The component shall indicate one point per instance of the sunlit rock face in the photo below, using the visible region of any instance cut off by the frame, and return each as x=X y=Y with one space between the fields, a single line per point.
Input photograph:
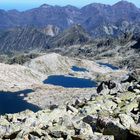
x=16 y=76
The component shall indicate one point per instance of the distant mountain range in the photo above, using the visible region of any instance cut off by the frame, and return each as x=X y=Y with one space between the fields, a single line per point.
x=49 y=26
x=91 y=17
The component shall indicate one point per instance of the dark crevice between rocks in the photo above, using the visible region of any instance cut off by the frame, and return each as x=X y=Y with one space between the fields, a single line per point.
x=132 y=137
x=58 y=134
x=52 y=107
x=45 y=127
x=77 y=131
x=135 y=111
x=12 y=136
x=131 y=78
x=91 y=121
x=76 y=138
x=109 y=84
x=36 y=134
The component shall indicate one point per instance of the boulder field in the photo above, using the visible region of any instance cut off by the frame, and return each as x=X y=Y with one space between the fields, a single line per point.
x=112 y=113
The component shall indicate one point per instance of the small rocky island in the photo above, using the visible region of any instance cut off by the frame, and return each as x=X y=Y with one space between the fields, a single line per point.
x=111 y=113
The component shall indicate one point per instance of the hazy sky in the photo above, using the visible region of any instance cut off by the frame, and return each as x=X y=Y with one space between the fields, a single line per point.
x=27 y=4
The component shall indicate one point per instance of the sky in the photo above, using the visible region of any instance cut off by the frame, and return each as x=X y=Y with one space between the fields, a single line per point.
x=22 y=5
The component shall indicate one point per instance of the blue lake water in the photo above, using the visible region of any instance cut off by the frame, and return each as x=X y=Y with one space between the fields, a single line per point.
x=13 y=103
x=77 y=69
x=108 y=65
x=69 y=82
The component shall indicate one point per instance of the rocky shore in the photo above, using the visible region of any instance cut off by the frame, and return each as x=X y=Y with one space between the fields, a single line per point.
x=111 y=113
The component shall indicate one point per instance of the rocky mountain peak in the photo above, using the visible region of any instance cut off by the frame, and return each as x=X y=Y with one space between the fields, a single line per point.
x=70 y=7
x=125 y=4
x=98 y=5
x=93 y=6
x=45 y=6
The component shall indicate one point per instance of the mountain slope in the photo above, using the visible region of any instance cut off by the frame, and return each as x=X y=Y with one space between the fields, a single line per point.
x=30 y=39
x=22 y=39
x=72 y=36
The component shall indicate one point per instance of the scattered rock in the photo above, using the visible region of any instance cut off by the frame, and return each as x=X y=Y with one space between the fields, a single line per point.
x=131 y=78
x=58 y=134
x=71 y=108
x=135 y=129
x=110 y=126
x=105 y=87
x=79 y=103
x=101 y=117
x=126 y=120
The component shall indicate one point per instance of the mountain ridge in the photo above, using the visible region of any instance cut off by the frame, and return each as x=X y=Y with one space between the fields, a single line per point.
x=70 y=5
x=65 y=16
x=49 y=26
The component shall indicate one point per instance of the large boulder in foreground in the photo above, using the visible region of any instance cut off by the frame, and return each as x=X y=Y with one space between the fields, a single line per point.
x=111 y=126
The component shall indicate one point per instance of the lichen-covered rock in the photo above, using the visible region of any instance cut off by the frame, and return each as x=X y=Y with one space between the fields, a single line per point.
x=135 y=129
x=129 y=106
x=126 y=120
x=111 y=126
x=94 y=137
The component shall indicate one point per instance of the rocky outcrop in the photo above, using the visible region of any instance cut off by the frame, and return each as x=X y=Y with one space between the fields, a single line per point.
x=56 y=64
x=101 y=117
x=72 y=36
x=51 y=30
x=16 y=77
x=108 y=85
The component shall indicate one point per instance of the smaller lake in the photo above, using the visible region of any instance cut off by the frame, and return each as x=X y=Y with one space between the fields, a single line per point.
x=108 y=65
x=69 y=82
x=12 y=102
x=78 y=69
